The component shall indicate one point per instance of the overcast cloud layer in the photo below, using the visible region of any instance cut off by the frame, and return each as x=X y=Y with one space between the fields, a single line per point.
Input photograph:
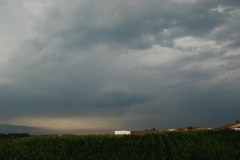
x=119 y=64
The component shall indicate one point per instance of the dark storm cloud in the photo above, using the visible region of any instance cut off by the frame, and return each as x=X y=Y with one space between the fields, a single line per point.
x=144 y=61
x=235 y=43
x=139 y=25
x=119 y=99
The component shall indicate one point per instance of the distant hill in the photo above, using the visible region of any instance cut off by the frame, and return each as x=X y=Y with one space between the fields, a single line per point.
x=9 y=128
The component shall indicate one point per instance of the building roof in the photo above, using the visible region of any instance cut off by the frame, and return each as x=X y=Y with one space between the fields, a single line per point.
x=144 y=132
x=230 y=125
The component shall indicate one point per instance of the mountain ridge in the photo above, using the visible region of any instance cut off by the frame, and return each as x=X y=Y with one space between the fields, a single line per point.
x=11 y=128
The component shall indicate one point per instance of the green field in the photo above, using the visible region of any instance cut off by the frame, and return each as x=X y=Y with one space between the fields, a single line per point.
x=190 y=145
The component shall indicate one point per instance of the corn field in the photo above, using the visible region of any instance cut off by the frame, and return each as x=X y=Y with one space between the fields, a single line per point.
x=197 y=145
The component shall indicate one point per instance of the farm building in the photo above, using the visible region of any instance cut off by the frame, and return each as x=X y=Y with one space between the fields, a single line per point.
x=123 y=132
x=234 y=126
x=193 y=128
x=171 y=129
x=152 y=131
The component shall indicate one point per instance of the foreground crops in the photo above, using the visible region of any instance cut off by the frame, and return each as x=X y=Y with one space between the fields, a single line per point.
x=214 y=145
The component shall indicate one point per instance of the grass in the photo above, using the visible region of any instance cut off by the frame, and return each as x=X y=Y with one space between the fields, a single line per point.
x=197 y=145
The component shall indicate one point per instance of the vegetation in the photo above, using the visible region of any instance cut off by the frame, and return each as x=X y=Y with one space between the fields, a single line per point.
x=197 y=145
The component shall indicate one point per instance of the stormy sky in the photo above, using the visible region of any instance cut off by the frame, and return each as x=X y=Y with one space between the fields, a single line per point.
x=119 y=64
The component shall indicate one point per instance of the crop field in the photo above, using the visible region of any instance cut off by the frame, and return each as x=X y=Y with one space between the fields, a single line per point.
x=197 y=145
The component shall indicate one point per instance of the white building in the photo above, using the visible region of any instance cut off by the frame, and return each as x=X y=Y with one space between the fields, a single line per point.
x=236 y=129
x=122 y=132
x=234 y=126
